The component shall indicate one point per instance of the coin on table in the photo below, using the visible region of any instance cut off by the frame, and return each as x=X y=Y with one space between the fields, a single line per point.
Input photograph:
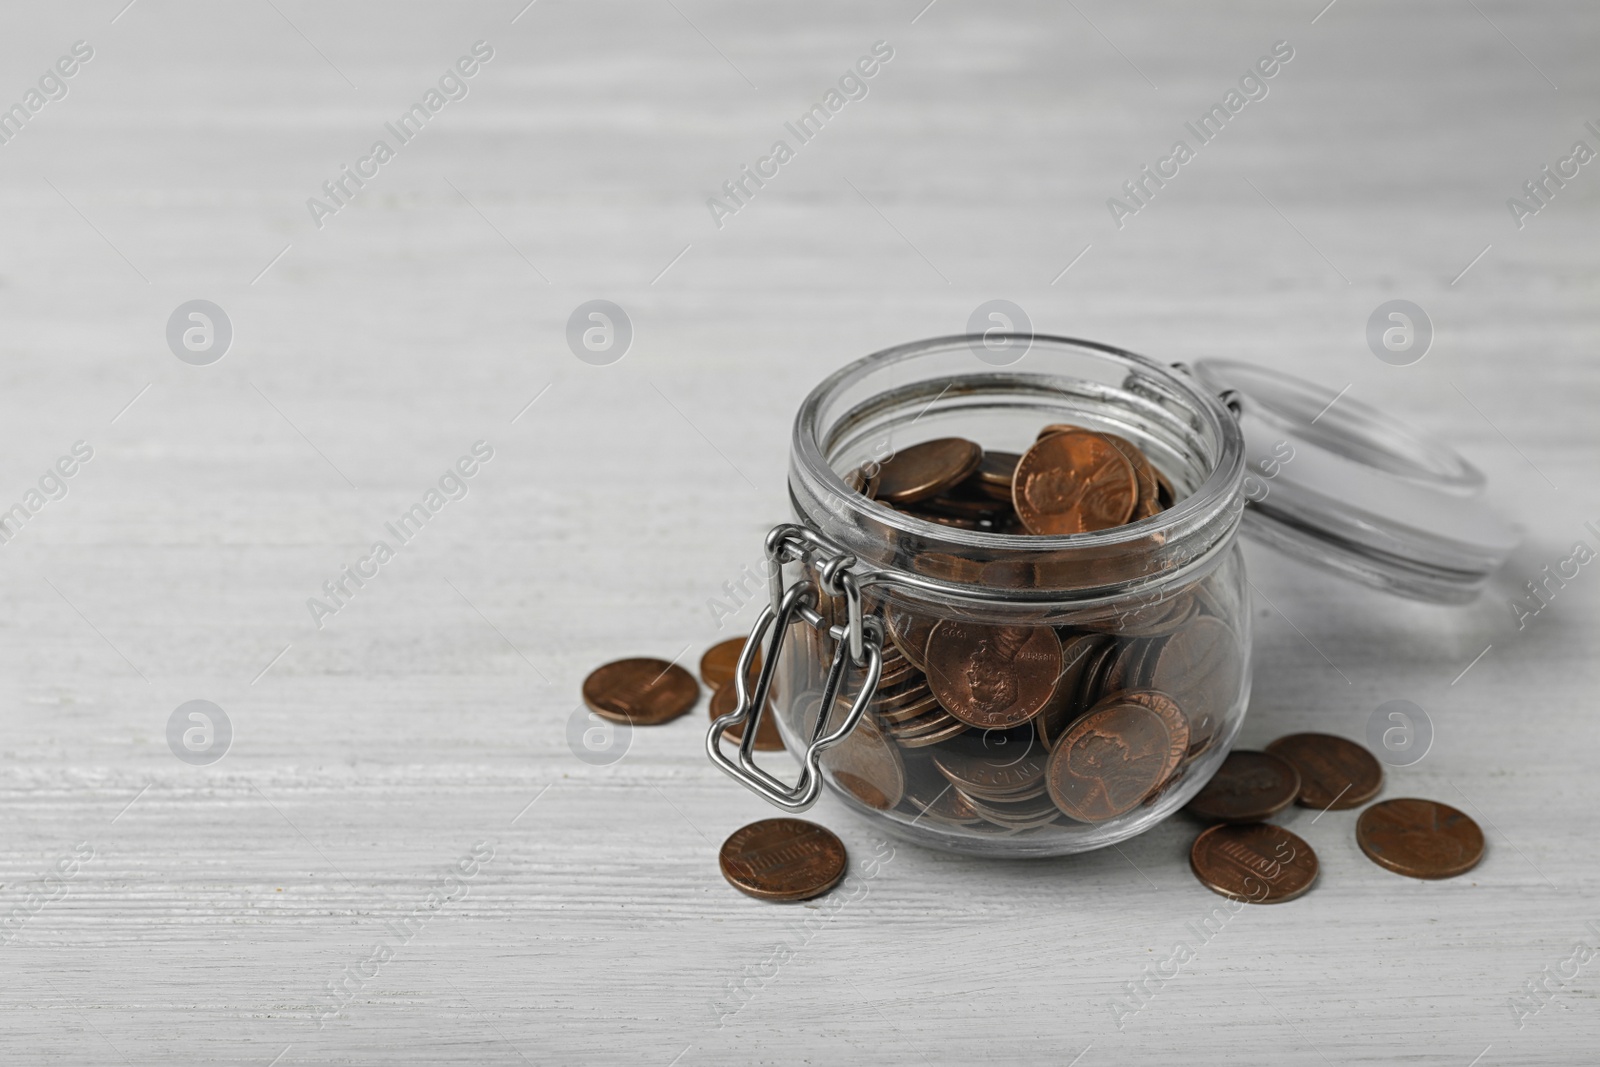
x=993 y=677
x=722 y=659
x=725 y=699
x=1073 y=482
x=642 y=691
x=1108 y=761
x=1420 y=838
x=1248 y=787
x=783 y=859
x=926 y=469
x=1335 y=773
x=1255 y=862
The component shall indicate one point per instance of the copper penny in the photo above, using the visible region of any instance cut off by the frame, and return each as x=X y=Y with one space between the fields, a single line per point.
x=1202 y=667
x=993 y=772
x=1255 y=862
x=909 y=633
x=722 y=659
x=995 y=473
x=1248 y=787
x=1172 y=716
x=926 y=469
x=1144 y=473
x=1108 y=761
x=644 y=692
x=1335 y=774
x=725 y=699
x=783 y=859
x=947 y=806
x=1420 y=838
x=1077 y=649
x=993 y=677
x=1074 y=482
x=868 y=766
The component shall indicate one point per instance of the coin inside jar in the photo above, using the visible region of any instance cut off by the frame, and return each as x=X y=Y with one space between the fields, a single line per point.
x=1248 y=787
x=783 y=859
x=993 y=677
x=1255 y=862
x=866 y=764
x=1108 y=762
x=722 y=659
x=725 y=699
x=1202 y=667
x=1073 y=482
x=640 y=691
x=1420 y=838
x=926 y=469
x=1335 y=774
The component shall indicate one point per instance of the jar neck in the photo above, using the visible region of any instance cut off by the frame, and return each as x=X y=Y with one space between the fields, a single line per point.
x=929 y=389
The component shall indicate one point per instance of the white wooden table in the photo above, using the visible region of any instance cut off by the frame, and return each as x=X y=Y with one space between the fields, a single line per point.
x=160 y=912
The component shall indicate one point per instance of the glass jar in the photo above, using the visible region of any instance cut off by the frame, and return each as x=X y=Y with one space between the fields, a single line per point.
x=1012 y=695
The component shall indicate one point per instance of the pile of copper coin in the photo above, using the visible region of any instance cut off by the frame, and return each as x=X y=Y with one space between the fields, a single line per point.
x=1014 y=729
x=1008 y=729
x=1247 y=858
x=1071 y=481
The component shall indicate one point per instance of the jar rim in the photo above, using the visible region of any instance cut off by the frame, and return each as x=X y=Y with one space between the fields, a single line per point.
x=1193 y=514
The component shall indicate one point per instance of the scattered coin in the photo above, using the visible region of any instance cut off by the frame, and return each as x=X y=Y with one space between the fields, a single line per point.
x=726 y=698
x=1420 y=838
x=783 y=859
x=993 y=677
x=642 y=691
x=1108 y=761
x=1248 y=787
x=926 y=469
x=722 y=659
x=1255 y=862
x=1335 y=774
x=1074 y=482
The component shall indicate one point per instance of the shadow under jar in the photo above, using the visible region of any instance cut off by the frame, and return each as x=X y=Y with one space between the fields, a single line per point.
x=999 y=693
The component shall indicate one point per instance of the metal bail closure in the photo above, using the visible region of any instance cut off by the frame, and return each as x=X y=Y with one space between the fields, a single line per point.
x=859 y=642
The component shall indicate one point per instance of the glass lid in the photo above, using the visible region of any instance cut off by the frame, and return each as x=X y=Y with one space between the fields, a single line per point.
x=1345 y=487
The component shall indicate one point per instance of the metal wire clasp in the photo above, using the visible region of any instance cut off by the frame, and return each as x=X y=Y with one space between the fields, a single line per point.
x=859 y=644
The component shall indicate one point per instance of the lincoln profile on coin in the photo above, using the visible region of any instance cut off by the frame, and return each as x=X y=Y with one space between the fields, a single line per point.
x=992 y=672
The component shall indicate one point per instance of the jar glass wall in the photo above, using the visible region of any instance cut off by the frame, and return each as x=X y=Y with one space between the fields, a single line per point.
x=1039 y=695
